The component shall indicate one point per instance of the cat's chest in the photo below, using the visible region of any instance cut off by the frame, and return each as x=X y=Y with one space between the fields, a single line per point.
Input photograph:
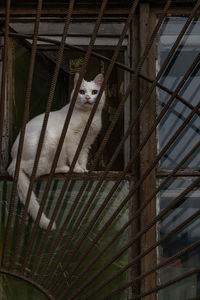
x=79 y=122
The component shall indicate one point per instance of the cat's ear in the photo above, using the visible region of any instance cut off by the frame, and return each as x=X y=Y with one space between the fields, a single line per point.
x=99 y=79
x=76 y=78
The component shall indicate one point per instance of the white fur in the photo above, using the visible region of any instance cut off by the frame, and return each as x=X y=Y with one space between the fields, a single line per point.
x=55 y=124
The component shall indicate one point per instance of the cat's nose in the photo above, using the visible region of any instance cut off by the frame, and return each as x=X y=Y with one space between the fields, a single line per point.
x=87 y=97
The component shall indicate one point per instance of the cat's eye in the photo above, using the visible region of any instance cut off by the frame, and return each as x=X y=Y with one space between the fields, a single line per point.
x=94 y=92
x=82 y=92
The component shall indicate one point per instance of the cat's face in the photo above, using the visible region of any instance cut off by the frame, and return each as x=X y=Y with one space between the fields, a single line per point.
x=88 y=92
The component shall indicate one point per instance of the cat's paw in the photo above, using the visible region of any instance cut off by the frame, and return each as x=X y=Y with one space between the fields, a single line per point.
x=63 y=169
x=85 y=169
x=44 y=223
x=53 y=226
x=79 y=169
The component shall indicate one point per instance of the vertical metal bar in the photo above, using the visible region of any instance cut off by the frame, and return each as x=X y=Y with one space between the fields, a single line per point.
x=92 y=41
x=3 y=90
x=101 y=270
x=134 y=143
x=43 y=130
x=120 y=65
x=148 y=153
x=4 y=72
x=50 y=178
x=151 y=167
x=99 y=96
x=118 y=111
x=25 y=279
x=22 y=135
x=167 y=261
x=156 y=288
x=141 y=255
x=133 y=217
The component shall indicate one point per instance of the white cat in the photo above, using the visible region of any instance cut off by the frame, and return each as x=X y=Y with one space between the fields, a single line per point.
x=87 y=96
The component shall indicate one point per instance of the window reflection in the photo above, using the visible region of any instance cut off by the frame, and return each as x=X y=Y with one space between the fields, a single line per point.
x=189 y=205
x=180 y=62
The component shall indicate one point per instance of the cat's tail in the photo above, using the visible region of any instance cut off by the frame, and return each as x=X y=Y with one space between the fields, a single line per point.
x=22 y=188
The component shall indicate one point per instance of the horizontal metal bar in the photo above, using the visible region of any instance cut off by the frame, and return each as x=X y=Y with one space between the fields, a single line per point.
x=85 y=270
x=185 y=123
x=190 y=69
x=147 y=251
x=28 y=280
x=156 y=289
x=22 y=132
x=167 y=284
x=105 y=80
x=59 y=11
x=111 y=175
x=4 y=73
x=103 y=173
x=2 y=112
x=120 y=65
x=42 y=134
x=187 y=173
x=139 y=66
x=158 y=157
x=138 y=235
x=68 y=118
x=82 y=138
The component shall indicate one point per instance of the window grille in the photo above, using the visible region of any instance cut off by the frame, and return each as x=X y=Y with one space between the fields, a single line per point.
x=127 y=228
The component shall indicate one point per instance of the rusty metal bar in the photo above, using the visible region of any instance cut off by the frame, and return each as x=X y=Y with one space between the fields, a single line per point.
x=100 y=93
x=139 y=278
x=120 y=65
x=2 y=104
x=3 y=96
x=129 y=244
x=22 y=134
x=29 y=281
x=154 y=163
x=164 y=173
x=147 y=251
x=154 y=83
x=140 y=256
x=137 y=213
x=65 y=128
x=169 y=260
x=175 y=203
x=171 y=282
x=112 y=175
x=154 y=126
x=149 y=45
x=157 y=288
x=4 y=73
x=84 y=272
x=44 y=126
x=118 y=211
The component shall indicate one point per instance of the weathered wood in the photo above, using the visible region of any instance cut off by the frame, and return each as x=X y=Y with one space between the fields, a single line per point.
x=163 y=173
x=78 y=176
x=59 y=11
x=134 y=142
x=147 y=155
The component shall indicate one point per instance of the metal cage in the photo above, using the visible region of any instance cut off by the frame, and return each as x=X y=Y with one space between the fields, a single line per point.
x=128 y=227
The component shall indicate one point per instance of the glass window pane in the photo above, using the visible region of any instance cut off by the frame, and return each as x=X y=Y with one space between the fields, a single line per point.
x=186 y=236
x=180 y=62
